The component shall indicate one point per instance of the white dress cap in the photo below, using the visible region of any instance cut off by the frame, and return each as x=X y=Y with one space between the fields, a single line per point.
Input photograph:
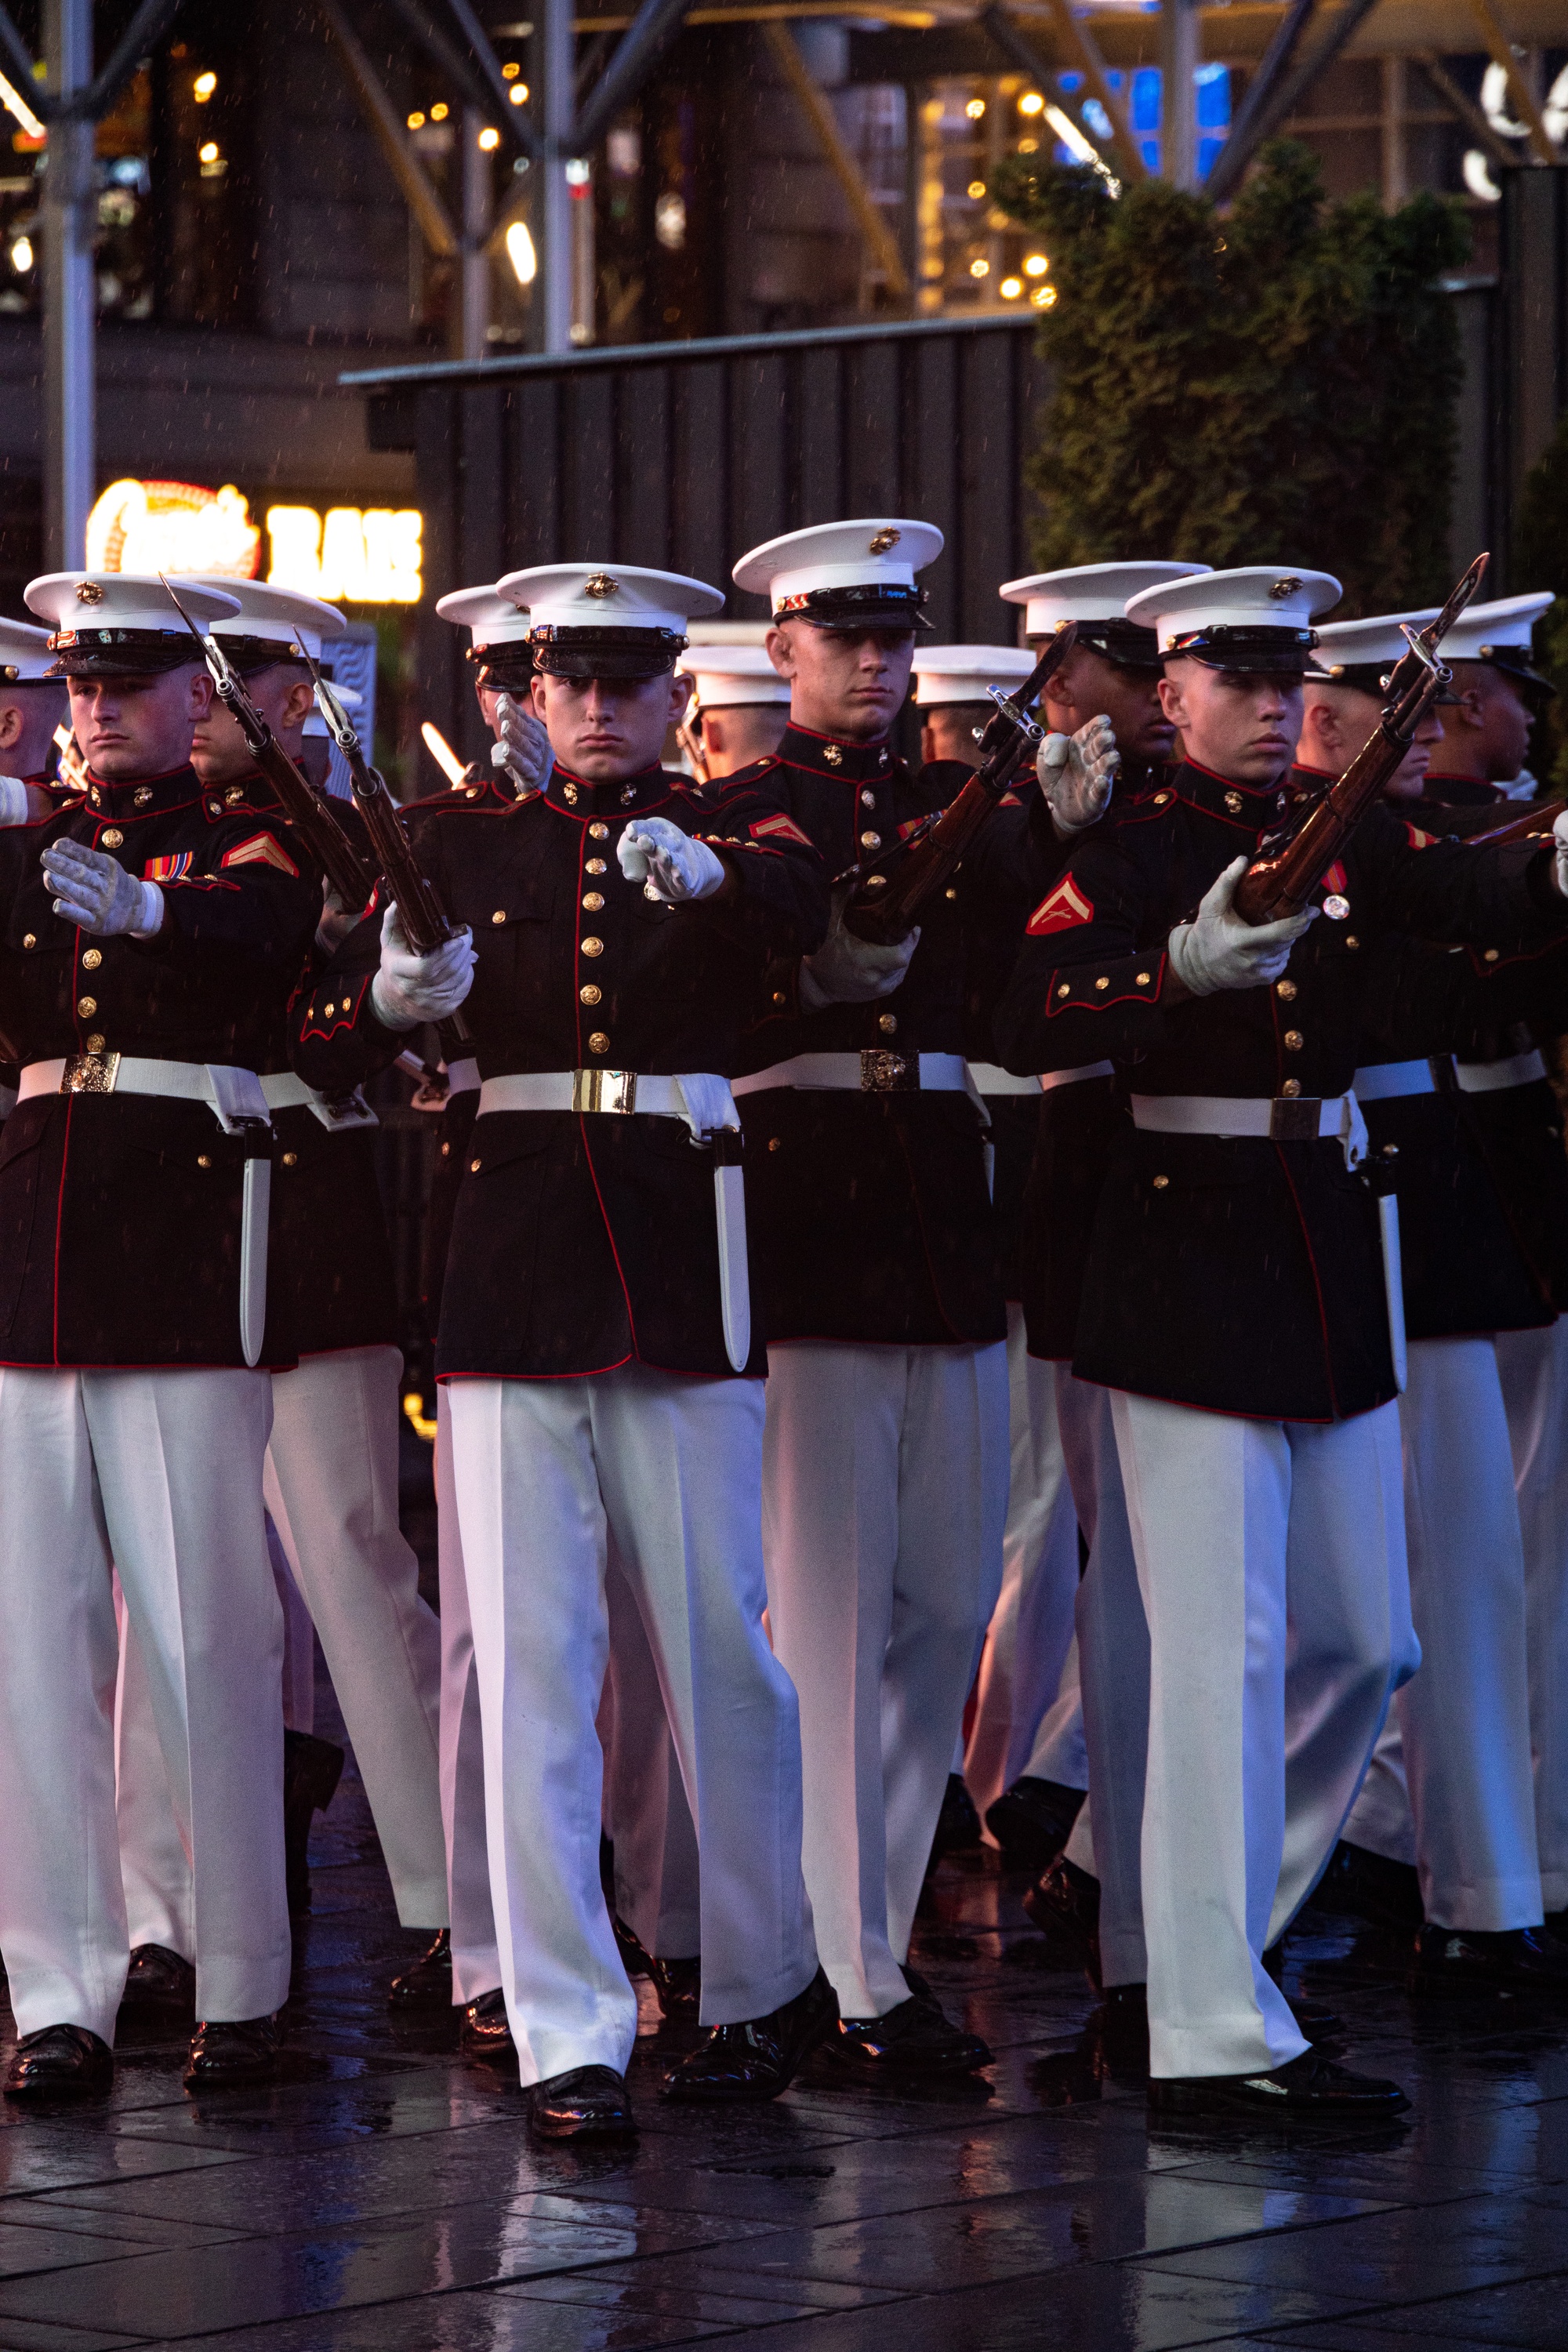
x=608 y=596
x=1497 y=633
x=25 y=652
x=124 y=624
x=279 y=617
x=494 y=619
x=963 y=673
x=724 y=676
x=1089 y=592
x=1254 y=618
x=1359 y=653
x=858 y=574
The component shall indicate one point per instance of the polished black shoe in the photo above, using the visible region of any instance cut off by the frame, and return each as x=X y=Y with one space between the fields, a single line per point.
x=957 y=1824
x=1066 y=1906
x=311 y=1770
x=486 y=2034
x=586 y=2103
x=1032 y=1821
x=60 y=2061
x=429 y=1984
x=1369 y=1887
x=761 y=2058
x=678 y=1984
x=234 y=2050
x=159 y=1979
x=1457 y=1961
x=1309 y=2089
x=915 y=2042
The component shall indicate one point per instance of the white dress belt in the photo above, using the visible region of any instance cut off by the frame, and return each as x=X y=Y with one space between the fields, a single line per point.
x=707 y=1106
x=238 y=1101
x=1276 y=1119
x=287 y=1090
x=874 y=1071
x=1386 y=1081
x=1049 y=1080
x=993 y=1079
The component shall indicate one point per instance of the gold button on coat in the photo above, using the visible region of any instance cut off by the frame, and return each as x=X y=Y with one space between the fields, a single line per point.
x=593 y=947
x=1291 y=1087
x=887 y=1023
x=112 y=836
x=1294 y=1040
x=87 y=1006
x=202 y=1159
x=594 y=900
x=594 y=865
x=91 y=958
x=598 y=831
x=499 y=915
x=590 y=996
x=1160 y=1182
x=598 y=1043
x=868 y=800
x=870 y=841
x=29 y=939
x=95 y=1043
x=1286 y=989
x=290 y=1159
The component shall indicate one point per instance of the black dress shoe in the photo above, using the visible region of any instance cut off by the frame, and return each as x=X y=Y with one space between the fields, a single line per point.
x=1032 y=1821
x=159 y=1979
x=60 y=2061
x=486 y=2034
x=1066 y=1904
x=957 y=1824
x=1456 y=1960
x=311 y=1770
x=915 y=2042
x=1369 y=1887
x=678 y=1984
x=761 y=2058
x=429 y=1984
x=1308 y=2089
x=234 y=2050
x=585 y=2103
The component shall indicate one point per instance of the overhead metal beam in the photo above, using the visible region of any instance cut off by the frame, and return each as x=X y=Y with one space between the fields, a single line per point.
x=879 y=236
x=516 y=117
x=638 y=52
x=1015 y=45
x=469 y=85
x=1472 y=116
x=21 y=57
x=1275 y=63
x=1519 y=88
x=417 y=188
x=70 y=289
x=151 y=21
x=1236 y=155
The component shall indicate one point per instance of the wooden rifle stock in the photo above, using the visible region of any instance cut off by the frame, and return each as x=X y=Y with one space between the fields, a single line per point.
x=1281 y=882
x=884 y=908
x=1536 y=822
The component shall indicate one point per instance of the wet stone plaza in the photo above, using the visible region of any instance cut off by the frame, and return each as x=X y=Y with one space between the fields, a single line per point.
x=385 y=2198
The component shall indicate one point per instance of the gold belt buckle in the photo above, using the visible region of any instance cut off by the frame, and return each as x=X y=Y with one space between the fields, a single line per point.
x=90 y=1074
x=889 y=1074
x=1295 y=1118
x=615 y=1090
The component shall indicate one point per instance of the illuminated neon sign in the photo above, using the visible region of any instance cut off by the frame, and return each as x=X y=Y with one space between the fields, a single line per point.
x=353 y=555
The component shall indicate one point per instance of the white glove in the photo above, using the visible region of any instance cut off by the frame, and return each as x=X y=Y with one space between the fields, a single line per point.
x=668 y=862
x=1077 y=773
x=1560 y=839
x=1219 y=951
x=522 y=748
x=13 y=801
x=850 y=971
x=409 y=987
x=94 y=891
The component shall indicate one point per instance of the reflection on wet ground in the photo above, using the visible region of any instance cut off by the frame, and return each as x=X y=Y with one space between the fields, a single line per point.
x=384 y=2199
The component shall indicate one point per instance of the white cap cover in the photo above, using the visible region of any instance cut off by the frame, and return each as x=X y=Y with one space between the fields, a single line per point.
x=724 y=676
x=25 y=652
x=277 y=616
x=596 y=620
x=845 y=575
x=124 y=623
x=1254 y=618
x=1358 y=653
x=963 y=673
x=493 y=619
x=1087 y=592
x=1498 y=634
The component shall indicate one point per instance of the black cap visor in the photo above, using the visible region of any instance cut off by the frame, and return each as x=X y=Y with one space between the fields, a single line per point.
x=875 y=605
x=1121 y=642
x=121 y=653
x=504 y=669
x=1257 y=652
x=605 y=653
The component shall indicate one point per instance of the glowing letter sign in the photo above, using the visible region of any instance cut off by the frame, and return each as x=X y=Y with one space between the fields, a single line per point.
x=173 y=526
x=355 y=555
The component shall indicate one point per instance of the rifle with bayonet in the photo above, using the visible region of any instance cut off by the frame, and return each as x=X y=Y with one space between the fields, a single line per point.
x=1281 y=880
x=885 y=908
x=348 y=878
x=425 y=920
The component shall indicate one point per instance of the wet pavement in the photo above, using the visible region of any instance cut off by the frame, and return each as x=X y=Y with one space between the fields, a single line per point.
x=385 y=2198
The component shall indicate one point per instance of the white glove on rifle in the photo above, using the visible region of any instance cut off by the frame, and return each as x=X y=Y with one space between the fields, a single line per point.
x=850 y=971
x=1076 y=774
x=1219 y=951
x=409 y=987
x=668 y=862
x=15 y=807
x=522 y=748
x=94 y=891
x=1560 y=839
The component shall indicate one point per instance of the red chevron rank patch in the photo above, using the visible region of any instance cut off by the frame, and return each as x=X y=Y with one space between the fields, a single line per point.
x=260 y=849
x=779 y=828
x=1059 y=911
x=1419 y=840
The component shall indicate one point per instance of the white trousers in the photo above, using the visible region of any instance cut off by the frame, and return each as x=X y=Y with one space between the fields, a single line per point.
x=331 y=1488
x=885 y=1491
x=550 y=1474
x=158 y=1474
x=1464 y=1733
x=646 y=1817
x=1533 y=1369
x=476 y=1956
x=1031 y=1628
x=1256 y=1542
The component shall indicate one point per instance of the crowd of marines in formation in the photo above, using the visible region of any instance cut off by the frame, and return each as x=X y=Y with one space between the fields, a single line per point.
x=1094 y=1359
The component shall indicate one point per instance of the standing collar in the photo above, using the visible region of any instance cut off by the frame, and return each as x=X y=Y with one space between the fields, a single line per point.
x=577 y=797
x=142 y=796
x=827 y=755
x=1253 y=808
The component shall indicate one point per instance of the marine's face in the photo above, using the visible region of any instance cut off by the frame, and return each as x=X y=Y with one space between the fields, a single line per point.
x=850 y=683
x=607 y=729
x=1337 y=720
x=1240 y=724
x=1089 y=687
x=282 y=693
x=131 y=726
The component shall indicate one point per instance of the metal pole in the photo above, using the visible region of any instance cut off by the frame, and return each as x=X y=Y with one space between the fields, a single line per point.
x=552 y=287
x=472 y=315
x=70 y=294
x=1179 y=61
